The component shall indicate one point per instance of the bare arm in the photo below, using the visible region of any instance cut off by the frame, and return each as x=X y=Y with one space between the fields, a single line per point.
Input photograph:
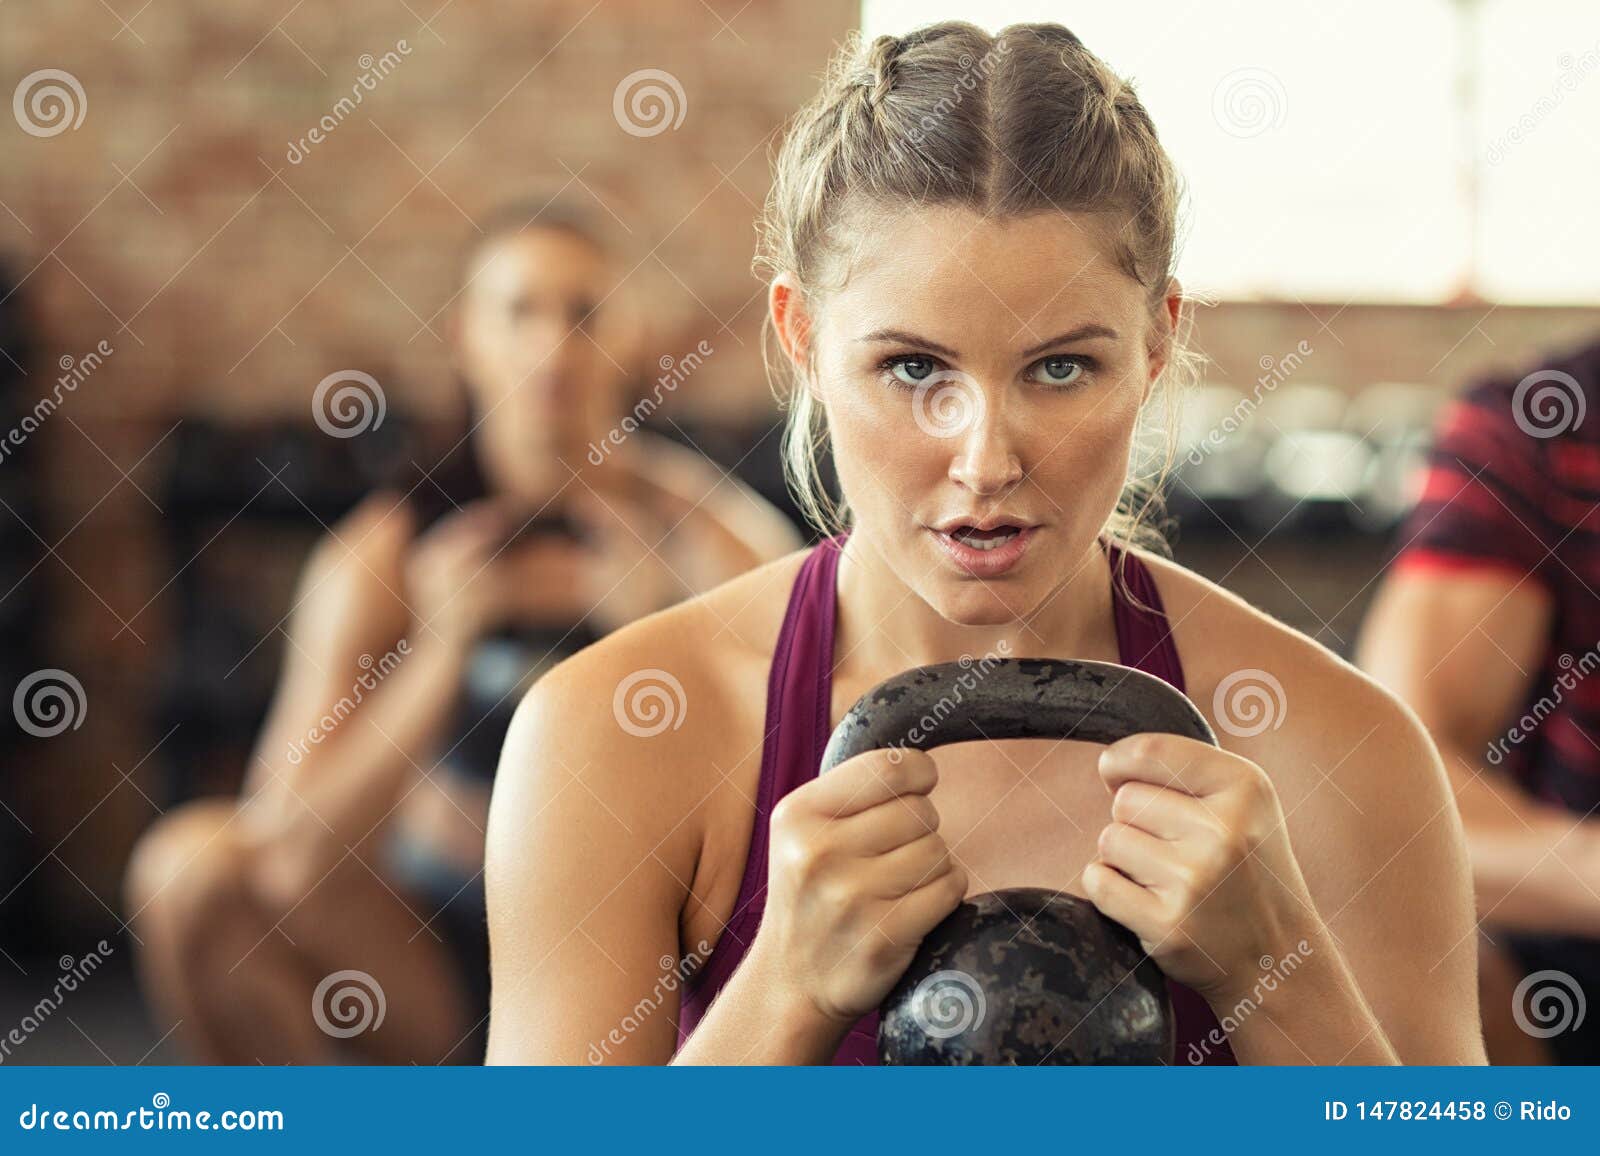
x=592 y=843
x=598 y=853
x=1383 y=855
x=1462 y=650
x=318 y=790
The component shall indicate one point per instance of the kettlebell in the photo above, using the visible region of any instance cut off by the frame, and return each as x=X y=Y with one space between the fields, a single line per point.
x=1025 y=975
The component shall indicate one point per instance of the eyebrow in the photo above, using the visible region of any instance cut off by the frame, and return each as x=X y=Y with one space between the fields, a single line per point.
x=1081 y=333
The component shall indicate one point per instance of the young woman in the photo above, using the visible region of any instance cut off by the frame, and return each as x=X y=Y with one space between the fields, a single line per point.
x=970 y=241
x=352 y=869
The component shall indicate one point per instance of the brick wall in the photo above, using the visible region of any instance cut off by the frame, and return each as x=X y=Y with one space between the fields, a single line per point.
x=229 y=279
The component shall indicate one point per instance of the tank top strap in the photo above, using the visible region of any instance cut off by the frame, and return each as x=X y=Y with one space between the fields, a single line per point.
x=800 y=684
x=1144 y=636
x=799 y=698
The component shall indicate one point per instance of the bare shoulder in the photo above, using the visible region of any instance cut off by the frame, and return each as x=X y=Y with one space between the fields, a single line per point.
x=1355 y=770
x=690 y=485
x=352 y=585
x=676 y=699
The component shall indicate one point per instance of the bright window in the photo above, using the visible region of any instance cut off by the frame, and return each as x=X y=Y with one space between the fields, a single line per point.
x=1410 y=150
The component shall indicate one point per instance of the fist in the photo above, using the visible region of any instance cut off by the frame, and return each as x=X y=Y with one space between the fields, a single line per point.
x=1196 y=861
x=858 y=874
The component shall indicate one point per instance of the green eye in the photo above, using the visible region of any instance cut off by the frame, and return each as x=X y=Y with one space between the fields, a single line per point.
x=912 y=370
x=1058 y=370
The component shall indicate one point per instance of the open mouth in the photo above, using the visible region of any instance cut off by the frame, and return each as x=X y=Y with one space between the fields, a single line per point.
x=986 y=551
x=985 y=539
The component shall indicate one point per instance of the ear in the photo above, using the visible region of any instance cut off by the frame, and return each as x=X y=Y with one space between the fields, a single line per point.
x=790 y=320
x=1167 y=318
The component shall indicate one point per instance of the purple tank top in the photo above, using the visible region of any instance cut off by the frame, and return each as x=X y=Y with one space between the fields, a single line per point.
x=799 y=699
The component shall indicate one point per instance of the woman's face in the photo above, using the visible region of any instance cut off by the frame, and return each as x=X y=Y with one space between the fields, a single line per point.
x=538 y=347
x=982 y=381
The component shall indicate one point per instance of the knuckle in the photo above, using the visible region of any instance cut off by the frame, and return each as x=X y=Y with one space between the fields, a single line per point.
x=835 y=893
x=922 y=808
x=1107 y=843
x=785 y=814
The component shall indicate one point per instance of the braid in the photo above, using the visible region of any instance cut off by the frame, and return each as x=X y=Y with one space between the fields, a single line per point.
x=876 y=72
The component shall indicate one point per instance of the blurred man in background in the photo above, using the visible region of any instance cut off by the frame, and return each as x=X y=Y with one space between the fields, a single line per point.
x=349 y=878
x=1489 y=626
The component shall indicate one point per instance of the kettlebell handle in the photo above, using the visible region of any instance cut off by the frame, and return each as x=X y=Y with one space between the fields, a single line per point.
x=1012 y=698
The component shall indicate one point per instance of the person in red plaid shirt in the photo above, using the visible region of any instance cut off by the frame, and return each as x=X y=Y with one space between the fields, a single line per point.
x=1488 y=625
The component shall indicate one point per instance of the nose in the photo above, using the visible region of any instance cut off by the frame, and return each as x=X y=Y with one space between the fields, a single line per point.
x=986 y=461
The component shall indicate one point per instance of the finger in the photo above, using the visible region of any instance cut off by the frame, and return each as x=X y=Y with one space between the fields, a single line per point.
x=903 y=870
x=878 y=830
x=1184 y=764
x=1117 y=897
x=1162 y=811
x=870 y=779
x=913 y=915
x=1148 y=861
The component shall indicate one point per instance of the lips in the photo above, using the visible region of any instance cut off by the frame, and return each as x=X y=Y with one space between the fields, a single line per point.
x=985 y=548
